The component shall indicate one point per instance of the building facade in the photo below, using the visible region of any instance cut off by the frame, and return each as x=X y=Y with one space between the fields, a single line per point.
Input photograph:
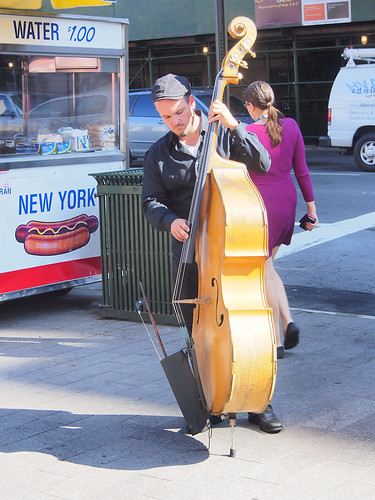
x=298 y=46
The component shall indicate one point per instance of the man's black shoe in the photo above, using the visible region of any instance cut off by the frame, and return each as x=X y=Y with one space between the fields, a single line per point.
x=280 y=352
x=215 y=419
x=267 y=420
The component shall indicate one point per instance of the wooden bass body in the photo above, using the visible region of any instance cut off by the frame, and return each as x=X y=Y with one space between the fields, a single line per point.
x=233 y=330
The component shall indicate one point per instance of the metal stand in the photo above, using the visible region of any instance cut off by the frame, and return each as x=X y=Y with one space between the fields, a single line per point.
x=232 y=423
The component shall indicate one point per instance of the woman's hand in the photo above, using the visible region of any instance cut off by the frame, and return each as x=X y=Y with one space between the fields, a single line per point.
x=311 y=210
x=309 y=225
x=180 y=229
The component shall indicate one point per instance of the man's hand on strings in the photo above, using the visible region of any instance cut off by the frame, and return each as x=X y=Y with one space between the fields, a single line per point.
x=180 y=229
x=220 y=112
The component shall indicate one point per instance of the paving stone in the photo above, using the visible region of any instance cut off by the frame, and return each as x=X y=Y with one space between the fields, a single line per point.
x=87 y=413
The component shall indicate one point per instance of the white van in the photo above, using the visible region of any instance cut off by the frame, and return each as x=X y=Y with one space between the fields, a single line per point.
x=351 y=107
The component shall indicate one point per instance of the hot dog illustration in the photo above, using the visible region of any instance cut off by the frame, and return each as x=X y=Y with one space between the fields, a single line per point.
x=54 y=238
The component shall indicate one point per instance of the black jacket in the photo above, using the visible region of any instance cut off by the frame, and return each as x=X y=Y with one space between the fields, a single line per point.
x=170 y=172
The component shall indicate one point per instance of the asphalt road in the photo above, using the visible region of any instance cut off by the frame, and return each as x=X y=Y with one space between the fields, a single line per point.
x=336 y=272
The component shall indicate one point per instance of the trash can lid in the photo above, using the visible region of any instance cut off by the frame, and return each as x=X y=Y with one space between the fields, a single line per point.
x=126 y=177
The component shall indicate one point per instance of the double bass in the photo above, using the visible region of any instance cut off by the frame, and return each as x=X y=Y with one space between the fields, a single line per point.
x=232 y=333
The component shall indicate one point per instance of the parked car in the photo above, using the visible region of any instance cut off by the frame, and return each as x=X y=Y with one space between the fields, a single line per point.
x=146 y=126
x=11 y=120
x=77 y=112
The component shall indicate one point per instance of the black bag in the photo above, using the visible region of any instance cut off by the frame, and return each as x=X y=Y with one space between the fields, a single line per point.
x=185 y=388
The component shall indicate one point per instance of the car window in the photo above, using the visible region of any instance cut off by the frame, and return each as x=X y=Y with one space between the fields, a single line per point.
x=205 y=98
x=54 y=109
x=6 y=108
x=85 y=106
x=237 y=106
x=91 y=105
x=132 y=98
x=17 y=101
x=145 y=107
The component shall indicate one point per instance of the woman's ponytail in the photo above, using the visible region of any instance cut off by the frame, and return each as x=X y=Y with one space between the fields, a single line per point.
x=261 y=95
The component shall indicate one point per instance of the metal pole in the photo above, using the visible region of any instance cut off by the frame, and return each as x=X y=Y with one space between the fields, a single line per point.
x=209 y=71
x=221 y=40
x=296 y=83
x=150 y=67
x=221 y=34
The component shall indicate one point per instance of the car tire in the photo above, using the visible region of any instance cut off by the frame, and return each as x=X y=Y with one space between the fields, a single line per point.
x=364 y=152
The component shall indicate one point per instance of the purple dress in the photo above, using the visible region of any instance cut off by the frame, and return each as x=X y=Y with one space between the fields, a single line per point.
x=276 y=186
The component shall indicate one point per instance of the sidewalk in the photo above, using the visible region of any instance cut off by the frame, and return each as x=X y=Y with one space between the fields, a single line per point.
x=87 y=413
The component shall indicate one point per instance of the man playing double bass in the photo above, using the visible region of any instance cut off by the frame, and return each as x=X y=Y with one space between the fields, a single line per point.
x=170 y=168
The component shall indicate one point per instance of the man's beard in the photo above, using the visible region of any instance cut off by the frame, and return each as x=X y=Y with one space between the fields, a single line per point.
x=187 y=130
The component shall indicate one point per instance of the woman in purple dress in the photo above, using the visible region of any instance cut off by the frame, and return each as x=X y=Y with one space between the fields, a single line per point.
x=283 y=140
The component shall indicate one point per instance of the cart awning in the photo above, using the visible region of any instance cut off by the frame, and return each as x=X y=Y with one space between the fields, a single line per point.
x=56 y=4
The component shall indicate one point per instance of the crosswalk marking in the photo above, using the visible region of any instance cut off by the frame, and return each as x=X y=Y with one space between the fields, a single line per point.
x=326 y=232
x=332 y=313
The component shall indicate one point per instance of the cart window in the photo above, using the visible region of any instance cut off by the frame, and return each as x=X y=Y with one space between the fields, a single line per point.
x=58 y=100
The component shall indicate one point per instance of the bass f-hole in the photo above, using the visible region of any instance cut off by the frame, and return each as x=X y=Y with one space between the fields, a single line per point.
x=219 y=320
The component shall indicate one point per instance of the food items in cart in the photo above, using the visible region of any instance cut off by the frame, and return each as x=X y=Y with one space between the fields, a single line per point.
x=64 y=147
x=27 y=147
x=78 y=138
x=102 y=136
x=48 y=148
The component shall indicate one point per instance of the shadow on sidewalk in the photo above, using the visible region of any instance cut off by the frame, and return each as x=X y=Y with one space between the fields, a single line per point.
x=123 y=442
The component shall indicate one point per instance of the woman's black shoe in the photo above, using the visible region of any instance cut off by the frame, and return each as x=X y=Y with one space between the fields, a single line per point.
x=291 y=336
x=267 y=420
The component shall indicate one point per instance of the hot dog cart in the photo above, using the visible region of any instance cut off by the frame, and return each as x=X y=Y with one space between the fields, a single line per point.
x=63 y=115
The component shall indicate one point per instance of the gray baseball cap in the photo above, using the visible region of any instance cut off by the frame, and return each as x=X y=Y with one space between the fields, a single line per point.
x=170 y=87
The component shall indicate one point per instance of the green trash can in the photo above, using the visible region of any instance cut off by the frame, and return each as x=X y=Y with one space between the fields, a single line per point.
x=131 y=250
